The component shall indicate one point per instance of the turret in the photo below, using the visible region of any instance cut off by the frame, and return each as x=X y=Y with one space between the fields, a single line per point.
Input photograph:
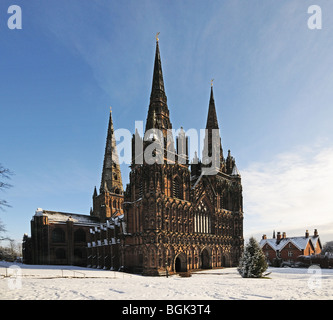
x=182 y=147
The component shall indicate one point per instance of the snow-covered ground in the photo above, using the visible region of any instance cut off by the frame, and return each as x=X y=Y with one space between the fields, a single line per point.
x=65 y=282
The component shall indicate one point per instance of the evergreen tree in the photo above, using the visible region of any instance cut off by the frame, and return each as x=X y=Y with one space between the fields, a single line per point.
x=253 y=261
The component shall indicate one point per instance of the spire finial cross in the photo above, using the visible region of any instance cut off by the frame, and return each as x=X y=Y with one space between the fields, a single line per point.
x=211 y=82
x=157 y=36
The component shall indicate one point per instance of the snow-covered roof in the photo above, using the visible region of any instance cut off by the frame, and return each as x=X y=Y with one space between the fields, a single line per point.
x=315 y=240
x=235 y=171
x=58 y=217
x=299 y=242
x=274 y=244
x=39 y=212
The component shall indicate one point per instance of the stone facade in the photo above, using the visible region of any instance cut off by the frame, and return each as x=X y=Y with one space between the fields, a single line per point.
x=178 y=218
x=105 y=244
x=174 y=216
x=57 y=238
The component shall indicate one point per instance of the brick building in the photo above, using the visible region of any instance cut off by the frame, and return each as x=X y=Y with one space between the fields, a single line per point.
x=283 y=248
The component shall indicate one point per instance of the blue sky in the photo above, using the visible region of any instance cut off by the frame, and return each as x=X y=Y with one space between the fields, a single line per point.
x=74 y=58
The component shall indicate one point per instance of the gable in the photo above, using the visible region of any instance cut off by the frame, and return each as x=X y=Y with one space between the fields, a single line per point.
x=266 y=245
x=316 y=242
x=204 y=189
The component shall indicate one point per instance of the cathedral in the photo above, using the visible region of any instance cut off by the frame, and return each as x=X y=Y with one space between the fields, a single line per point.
x=175 y=214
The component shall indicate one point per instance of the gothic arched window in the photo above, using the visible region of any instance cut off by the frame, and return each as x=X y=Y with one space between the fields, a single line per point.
x=177 y=189
x=202 y=219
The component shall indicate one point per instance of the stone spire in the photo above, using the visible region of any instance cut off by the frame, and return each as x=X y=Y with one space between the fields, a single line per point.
x=212 y=129
x=212 y=118
x=158 y=113
x=158 y=91
x=111 y=176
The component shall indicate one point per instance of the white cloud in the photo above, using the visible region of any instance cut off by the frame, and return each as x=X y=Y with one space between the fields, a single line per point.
x=291 y=192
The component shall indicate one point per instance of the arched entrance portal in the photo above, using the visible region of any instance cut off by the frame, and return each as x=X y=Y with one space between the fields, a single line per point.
x=226 y=261
x=205 y=259
x=180 y=263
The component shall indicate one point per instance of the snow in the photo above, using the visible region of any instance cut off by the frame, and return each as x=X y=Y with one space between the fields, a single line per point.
x=235 y=171
x=62 y=217
x=66 y=282
x=299 y=242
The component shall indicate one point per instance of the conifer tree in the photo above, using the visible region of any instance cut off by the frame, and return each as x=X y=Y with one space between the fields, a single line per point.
x=253 y=261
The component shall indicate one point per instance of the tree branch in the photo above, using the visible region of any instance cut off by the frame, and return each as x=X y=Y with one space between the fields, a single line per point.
x=4 y=174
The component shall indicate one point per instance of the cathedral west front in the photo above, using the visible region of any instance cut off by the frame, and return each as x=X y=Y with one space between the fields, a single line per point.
x=176 y=214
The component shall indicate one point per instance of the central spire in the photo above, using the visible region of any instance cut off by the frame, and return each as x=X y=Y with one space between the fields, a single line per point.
x=158 y=113
x=212 y=122
x=157 y=90
x=111 y=176
x=213 y=147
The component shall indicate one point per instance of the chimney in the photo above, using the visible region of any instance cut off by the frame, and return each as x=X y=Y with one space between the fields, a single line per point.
x=284 y=235
x=264 y=237
x=307 y=234
x=315 y=233
x=278 y=236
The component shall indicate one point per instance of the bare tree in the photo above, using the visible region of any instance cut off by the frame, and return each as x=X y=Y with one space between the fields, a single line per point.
x=3 y=232
x=4 y=174
x=328 y=247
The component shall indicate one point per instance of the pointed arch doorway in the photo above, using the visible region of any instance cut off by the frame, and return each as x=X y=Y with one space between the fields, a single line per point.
x=180 y=264
x=206 y=259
